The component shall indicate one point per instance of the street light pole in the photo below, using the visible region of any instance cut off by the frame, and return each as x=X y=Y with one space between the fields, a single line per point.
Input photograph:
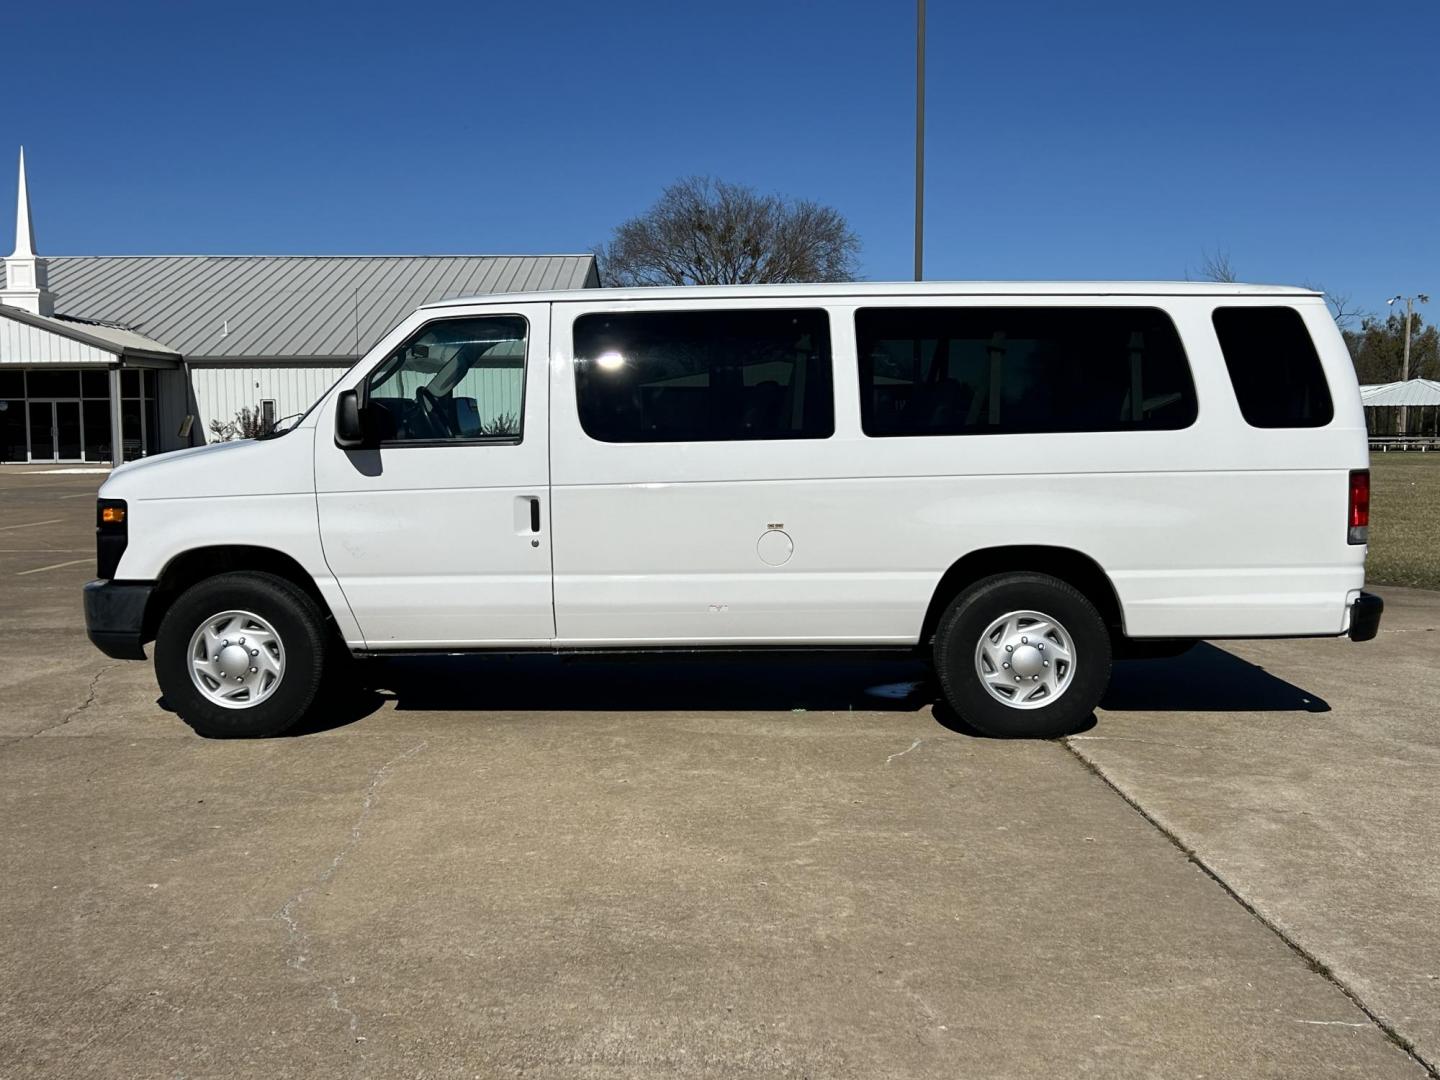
x=1409 y=318
x=919 y=140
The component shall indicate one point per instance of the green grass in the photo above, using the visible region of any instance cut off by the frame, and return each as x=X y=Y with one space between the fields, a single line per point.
x=1404 y=520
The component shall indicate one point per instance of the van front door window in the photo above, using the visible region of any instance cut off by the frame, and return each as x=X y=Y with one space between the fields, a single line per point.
x=454 y=380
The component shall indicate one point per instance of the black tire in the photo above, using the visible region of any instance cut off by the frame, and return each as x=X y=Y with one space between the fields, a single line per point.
x=297 y=620
x=965 y=622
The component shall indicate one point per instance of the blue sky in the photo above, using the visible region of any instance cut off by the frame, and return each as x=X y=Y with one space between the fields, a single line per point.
x=1069 y=140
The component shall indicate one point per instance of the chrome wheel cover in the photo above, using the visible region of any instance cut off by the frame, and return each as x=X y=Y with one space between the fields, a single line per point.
x=236 y=659
x=1025 y=659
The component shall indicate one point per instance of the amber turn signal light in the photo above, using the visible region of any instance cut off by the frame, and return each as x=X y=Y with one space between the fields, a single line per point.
x=112 y=515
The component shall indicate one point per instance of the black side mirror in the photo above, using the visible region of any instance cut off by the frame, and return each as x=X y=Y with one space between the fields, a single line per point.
x=352 y=432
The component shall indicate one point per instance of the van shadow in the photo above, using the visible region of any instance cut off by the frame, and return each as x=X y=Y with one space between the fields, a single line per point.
x=640 y=683
x=546 y=682
x=1206 y=679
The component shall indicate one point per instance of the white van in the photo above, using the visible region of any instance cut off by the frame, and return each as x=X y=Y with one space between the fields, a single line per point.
x=1020 y=480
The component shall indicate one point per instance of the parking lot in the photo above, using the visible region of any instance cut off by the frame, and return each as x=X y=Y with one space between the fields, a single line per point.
x=539 y=867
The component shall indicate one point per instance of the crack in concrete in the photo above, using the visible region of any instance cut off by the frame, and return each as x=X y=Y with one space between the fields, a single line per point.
x=907 y=750
x=1143 y=742
x=1313 y=962
x=89 y=700
x=298 y=937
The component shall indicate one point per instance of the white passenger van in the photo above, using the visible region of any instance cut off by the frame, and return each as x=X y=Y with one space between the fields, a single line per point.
x=1021 y=481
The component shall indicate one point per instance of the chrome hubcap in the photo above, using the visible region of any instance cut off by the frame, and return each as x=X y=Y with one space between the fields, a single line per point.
x=1025 y=659
x=236 y=659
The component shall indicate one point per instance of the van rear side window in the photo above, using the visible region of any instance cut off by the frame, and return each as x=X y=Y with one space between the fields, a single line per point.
x=1006 y=370
x=704 y=376
x=1274 y=367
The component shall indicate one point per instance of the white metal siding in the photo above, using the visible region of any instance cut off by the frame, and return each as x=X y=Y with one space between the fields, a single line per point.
x=24 y=344
x=221 y=392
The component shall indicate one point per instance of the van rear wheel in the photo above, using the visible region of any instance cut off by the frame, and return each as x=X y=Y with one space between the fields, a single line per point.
x=241 y=655
x=1022 y=655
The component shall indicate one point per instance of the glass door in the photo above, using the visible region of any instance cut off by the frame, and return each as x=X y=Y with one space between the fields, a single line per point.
x=42 y=431
x=55 y=431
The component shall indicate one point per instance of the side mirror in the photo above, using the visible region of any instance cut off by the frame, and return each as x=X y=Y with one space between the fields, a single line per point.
x=351 y=430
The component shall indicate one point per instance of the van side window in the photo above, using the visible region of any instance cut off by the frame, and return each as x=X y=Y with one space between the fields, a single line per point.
x=1005 y=370
x=1274 y=367
x=704 y=376
x=454 y=380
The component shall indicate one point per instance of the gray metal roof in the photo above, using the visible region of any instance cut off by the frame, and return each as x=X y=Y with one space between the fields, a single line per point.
x=297 y=307
x=114 y=339
x=1410 y=392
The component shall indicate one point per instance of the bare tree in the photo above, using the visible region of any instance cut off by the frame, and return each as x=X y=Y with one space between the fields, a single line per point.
x=1342 y=310
x=1217 y=267
x=704 y=231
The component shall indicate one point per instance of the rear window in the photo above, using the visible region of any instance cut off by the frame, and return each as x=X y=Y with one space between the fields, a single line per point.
x=1003 y=370
x=1274 y=367
x=704 y=376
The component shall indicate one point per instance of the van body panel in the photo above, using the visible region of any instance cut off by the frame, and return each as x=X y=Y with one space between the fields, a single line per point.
x=1217 y=529
x=249 y=493
x=432 y=544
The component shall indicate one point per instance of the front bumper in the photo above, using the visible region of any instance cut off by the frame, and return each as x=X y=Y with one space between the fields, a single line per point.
x=115 y=617
x=1365 y=616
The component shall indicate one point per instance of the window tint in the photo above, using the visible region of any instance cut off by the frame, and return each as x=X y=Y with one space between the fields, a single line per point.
x=456 y=379
x=975 y=371
x=704 y=376
x=1273 y=367
x=53 y=383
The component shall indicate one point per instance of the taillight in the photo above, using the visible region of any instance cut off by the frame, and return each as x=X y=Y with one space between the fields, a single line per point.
x=1360 y=506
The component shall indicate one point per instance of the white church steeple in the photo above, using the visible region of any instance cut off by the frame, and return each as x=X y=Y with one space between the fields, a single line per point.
x=26 y=274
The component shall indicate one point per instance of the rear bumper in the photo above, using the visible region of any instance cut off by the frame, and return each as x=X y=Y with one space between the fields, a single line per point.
x=1365 y=616
x=115 y=617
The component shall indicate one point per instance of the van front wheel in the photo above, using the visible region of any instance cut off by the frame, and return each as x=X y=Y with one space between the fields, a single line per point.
x=1022 y=655
x=241 y=655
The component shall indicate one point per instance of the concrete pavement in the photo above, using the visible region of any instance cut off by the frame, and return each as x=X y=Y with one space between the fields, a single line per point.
x=585 y=869
x=1326 y=820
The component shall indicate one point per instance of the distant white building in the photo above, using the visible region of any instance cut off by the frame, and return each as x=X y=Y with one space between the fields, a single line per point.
x=143 y=352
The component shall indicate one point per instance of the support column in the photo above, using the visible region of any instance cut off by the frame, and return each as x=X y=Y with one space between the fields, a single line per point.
x=117 y=435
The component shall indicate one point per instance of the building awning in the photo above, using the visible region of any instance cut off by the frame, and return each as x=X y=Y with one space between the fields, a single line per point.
x=1409 y=392
x=41 y=340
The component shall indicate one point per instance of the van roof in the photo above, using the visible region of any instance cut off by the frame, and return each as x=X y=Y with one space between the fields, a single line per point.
x=895 y=288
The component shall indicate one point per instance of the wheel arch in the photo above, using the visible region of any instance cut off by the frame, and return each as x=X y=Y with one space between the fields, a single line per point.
x=1069 y=565
x=193 y=566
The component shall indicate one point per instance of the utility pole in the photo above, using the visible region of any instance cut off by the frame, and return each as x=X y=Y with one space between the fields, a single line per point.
x=1409 y=318
x=919 y=140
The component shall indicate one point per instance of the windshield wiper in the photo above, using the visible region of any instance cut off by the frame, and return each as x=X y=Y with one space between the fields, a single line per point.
x=276 y=430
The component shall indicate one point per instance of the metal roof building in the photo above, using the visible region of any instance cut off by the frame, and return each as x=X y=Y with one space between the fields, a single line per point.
x=295 y=307
x=99 y=351
x=1409 y=392
x=1407 y=411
